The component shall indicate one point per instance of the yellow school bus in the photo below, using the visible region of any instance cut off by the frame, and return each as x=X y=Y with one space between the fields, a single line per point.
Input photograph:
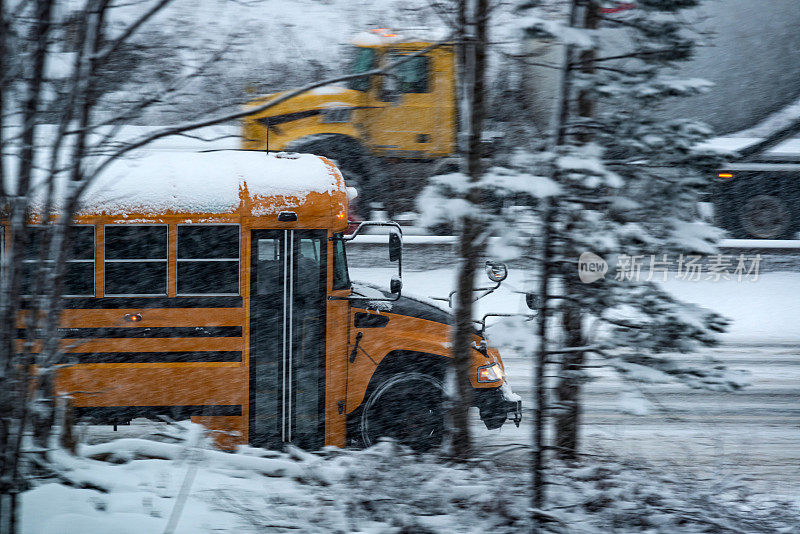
x=214 y=286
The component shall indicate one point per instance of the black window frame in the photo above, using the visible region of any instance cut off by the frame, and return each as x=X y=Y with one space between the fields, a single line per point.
x=180 y=260
x=339 y=260
x=28 y=261
x=106 y=261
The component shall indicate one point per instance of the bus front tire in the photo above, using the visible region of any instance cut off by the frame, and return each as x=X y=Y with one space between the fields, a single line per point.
x=406 y=407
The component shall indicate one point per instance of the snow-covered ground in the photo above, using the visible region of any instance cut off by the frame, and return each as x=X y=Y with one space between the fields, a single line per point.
x=137 y=486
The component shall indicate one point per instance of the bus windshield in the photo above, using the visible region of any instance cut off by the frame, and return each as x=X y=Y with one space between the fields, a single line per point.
x=363 y=61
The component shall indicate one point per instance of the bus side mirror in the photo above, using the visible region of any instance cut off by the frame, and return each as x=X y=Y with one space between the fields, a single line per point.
x=395 y=247
x=396 y=285
x=532 y=301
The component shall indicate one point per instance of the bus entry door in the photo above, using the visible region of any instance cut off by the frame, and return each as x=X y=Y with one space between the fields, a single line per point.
x=287 y=338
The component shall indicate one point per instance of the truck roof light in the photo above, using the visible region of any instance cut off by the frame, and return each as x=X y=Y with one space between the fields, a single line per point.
x=383 y=32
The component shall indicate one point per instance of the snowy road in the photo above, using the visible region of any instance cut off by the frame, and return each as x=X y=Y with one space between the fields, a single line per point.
x=751 y=436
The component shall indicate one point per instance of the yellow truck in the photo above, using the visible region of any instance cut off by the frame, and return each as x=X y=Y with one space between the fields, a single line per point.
x=407 y=117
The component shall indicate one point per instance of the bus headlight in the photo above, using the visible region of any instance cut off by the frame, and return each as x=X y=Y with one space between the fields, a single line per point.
x=490 y=373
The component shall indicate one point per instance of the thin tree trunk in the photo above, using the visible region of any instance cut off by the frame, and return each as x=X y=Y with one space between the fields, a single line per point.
x=14 y=394
x=540 y=408
x=469 y=248
x=546 y=273
x=462 y=106
x=4 y=82
x=462 y=438
x=568 y=418
x=568 y=390
x=4 y=386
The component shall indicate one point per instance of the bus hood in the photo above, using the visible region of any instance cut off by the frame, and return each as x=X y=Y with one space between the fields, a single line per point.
x=410 y=306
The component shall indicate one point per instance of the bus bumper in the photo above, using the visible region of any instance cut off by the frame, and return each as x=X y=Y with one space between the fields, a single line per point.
x=496 y=404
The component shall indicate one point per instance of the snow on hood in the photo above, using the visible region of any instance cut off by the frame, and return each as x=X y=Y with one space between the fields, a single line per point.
x=329 y=90
x=409 y=305
x=323 y=97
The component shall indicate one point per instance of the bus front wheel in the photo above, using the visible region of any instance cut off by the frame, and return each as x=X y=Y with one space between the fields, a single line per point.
x=406 y=407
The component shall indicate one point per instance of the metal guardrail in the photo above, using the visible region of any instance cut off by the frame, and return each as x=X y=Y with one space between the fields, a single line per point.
x=438 y=252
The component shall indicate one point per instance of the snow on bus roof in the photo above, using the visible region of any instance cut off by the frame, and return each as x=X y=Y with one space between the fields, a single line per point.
x=155 y=182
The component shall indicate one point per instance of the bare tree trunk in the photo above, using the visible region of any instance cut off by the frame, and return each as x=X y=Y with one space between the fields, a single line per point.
x=16 y=373
x=546 y=273
x=5 y=416
x=540 y=408
x=568 y=417
x=4 y=82
x=461 y=78
x=469 y=248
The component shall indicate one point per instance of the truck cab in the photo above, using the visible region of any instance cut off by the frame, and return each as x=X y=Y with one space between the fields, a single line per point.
x=407 y=115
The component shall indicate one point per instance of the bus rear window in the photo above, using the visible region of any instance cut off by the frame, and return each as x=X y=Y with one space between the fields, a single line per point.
x=208 y=260
x=135 y=260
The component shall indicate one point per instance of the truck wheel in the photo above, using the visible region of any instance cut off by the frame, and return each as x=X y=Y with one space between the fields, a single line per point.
x=406 y=407
x=360 y=170
x=766 y=217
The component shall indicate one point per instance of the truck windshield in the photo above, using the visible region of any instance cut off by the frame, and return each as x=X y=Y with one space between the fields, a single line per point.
x=341 y=278
x=363 y=61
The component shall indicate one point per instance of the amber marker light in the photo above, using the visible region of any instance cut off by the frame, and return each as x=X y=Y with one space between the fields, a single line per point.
x=725 y=175
x=133 y=317
x=490 y=373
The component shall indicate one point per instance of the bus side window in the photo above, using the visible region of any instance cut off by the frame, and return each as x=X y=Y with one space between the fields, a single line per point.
x=79 y=275
x=79 y=272
x=208 y=259
x=135 y=260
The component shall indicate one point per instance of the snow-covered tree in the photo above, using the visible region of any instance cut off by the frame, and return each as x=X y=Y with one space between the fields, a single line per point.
x=615 y=180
